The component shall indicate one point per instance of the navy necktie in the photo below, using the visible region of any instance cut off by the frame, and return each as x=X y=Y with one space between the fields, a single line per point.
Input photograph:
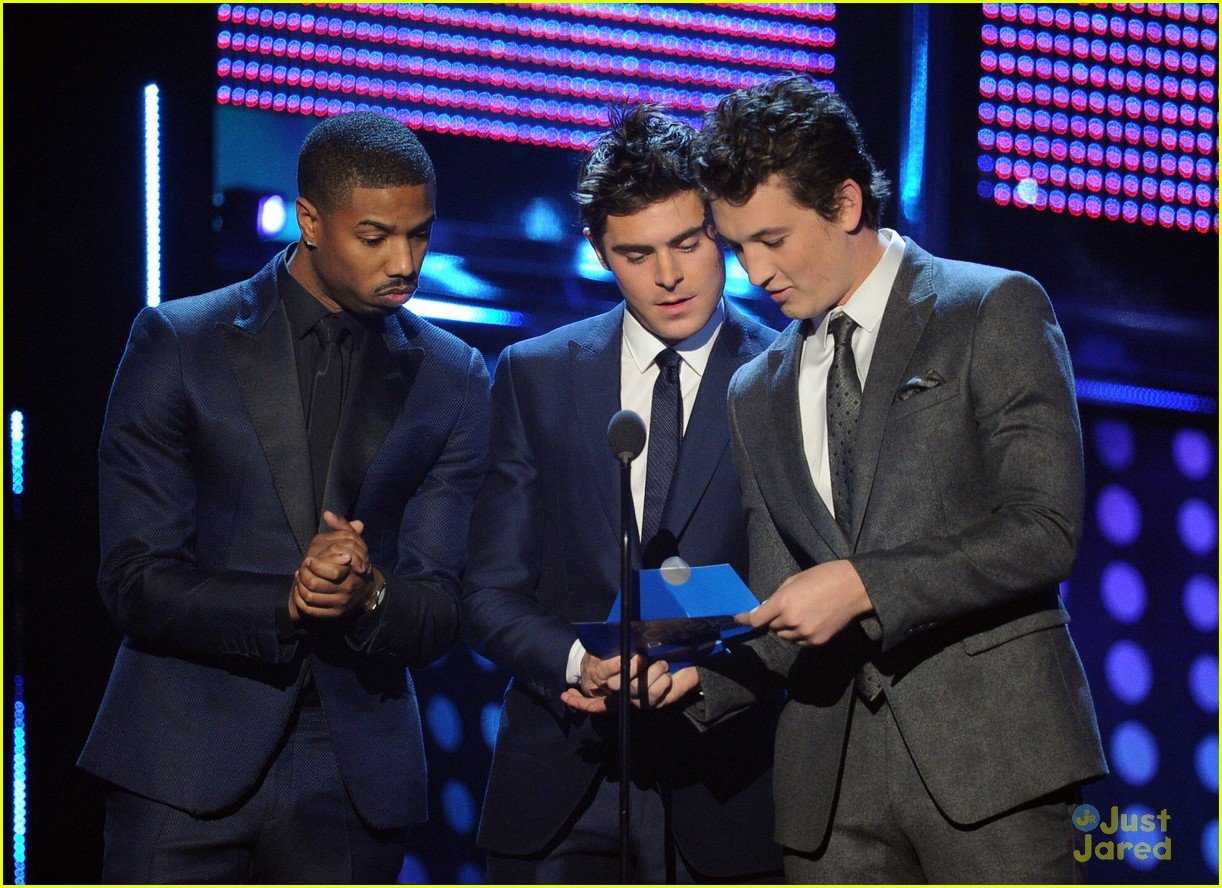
x=843 y=406
x=326 y=399
x=665 y=433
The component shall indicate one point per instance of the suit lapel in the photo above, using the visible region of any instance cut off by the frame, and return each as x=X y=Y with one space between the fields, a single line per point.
x=382 y=375
x=789 y=458
x=594 y=361
x=259 y=348
x=908 y=308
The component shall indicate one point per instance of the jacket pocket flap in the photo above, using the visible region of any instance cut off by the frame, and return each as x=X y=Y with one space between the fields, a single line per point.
x=991 y=638
x=928 y=398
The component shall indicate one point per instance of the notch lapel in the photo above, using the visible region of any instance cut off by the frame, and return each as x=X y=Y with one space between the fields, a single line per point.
x=789 y=458
x=382 y=376
x=908 y=308
x=594 y=362
x=259 y=348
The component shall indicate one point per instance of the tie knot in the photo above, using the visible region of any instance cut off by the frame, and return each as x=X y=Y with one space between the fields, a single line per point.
x=668 y=361
x=841 y=328
x=330 y=330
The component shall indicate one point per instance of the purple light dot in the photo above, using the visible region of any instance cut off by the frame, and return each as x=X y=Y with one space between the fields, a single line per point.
x=1118 y=515
x=1124 y=592
x=1207 y=763
x=1209 y=844
x=413 y=872
x=1193 y=454
x=1201 y=602
x=1114 y=443
x=1129 y=673
x=1203 y=682
x=1134 y=753
x=1198 y=525
x=1132 y=814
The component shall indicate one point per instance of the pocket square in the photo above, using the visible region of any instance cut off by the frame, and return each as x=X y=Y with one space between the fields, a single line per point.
x=930 y=379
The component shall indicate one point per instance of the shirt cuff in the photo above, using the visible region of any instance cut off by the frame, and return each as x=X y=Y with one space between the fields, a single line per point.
x=576 y=652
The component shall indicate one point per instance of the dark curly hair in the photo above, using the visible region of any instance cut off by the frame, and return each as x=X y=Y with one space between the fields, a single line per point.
x=360 y=150
x=788 y=126
x=645 y=157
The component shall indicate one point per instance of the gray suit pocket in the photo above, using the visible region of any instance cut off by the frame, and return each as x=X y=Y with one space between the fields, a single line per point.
x=991 y=638
x=929 y=398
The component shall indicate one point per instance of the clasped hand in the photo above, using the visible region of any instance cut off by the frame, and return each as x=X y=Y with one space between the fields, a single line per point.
x=812 y=606
x=600 y=682
x=335 y=577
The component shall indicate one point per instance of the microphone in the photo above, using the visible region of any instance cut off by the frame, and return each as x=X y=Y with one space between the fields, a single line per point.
x=626 y=436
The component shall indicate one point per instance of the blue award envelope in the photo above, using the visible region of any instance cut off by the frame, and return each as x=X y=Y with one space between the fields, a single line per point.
x=686 y=613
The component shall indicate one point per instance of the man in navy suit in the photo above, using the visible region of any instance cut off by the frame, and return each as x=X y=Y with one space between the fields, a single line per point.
x=545 y=552
x=288 y=466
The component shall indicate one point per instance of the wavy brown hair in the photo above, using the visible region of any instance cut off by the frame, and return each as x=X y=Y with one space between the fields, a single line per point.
x=644 y=157
x=790 y=127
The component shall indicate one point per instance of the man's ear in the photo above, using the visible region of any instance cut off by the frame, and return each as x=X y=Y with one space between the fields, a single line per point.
x=848 y=206
x=598 y=250
x=308 y=219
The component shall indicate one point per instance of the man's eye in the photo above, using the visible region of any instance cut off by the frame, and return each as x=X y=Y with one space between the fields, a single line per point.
x=373 y=241
x=689 y=247
x=772 y=245
x=635 y=258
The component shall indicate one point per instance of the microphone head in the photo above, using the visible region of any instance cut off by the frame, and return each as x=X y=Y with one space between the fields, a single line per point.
x=626 y=435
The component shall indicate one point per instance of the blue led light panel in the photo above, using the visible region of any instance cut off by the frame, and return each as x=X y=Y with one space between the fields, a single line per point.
x=1106 y=110
x=541 y=73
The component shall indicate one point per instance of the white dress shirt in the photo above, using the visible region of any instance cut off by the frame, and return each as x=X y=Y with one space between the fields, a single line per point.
x=865 y=307
x=637 y=374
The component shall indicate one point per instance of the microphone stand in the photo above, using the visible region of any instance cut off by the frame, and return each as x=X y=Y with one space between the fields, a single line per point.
x=628 y=609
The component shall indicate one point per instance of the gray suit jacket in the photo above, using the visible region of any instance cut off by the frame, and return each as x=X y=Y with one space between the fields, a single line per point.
x=968 y=502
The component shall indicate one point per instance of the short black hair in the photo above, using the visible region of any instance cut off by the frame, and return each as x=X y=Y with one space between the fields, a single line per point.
x=795 y=129
x=360 y=150
x=644 y=157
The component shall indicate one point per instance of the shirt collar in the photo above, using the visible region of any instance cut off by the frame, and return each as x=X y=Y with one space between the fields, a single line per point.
x=643 y=346
x=867 y=304
x=302 y=307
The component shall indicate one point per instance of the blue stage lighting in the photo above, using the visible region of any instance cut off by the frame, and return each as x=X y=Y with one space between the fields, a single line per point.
x=587 y=265
x=912 y=163
x=273 y=216
x=19 y=781
x=1122 y=395
x=17 y=451
x=152 y=194
x=441 y=310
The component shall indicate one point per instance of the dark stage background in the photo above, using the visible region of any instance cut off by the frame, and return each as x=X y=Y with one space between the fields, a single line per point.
x=1138 y=301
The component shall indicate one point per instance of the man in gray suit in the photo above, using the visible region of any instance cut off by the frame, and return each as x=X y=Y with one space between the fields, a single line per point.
x=912 y=472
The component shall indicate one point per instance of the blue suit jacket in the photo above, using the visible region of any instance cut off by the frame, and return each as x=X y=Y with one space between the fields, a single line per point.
x=206 y=511
x=545 y=553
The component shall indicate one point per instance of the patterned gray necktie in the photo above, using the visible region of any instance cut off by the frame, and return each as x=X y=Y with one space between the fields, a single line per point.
x=843 y=407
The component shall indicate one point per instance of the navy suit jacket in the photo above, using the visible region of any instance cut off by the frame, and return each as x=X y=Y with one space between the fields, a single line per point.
x=545 y=553
x=206 y=511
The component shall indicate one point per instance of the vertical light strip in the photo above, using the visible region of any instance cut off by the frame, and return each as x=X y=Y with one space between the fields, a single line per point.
x=152 y=193
x=19 y=771
x=16 y=427
x=912 y=164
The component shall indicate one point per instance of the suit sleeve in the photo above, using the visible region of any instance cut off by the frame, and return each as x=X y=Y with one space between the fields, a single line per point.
x=150 y=580
x=744 y=673
x=504 y=619
x=1029 y=440
x=420 y=617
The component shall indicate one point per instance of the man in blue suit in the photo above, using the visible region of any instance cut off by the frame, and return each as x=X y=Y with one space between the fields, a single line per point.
x=545 y=553
x=288 y=466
